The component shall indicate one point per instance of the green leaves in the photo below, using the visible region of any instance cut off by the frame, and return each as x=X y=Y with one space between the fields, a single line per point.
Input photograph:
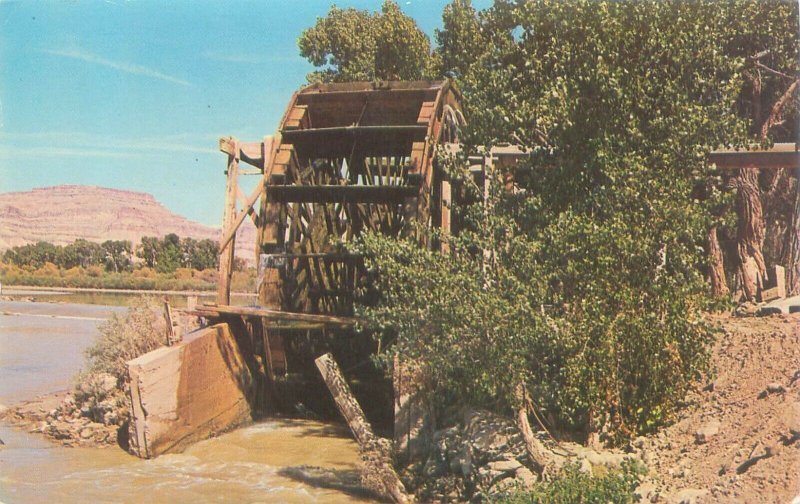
x=356 y=45
x=586 y=282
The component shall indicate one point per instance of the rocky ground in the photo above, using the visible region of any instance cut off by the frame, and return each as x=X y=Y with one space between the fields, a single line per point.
x=737 y=439
x=76 y=418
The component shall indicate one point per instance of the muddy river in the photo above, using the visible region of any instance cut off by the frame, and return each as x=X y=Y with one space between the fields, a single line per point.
x=41 y=349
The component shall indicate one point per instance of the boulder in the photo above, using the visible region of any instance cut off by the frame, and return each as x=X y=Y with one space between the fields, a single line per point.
x=707 y=431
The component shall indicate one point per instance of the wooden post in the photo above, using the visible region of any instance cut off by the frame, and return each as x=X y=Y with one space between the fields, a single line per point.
x=229 y=217
x=168 y=319
x=446 y=203
x=376 y=453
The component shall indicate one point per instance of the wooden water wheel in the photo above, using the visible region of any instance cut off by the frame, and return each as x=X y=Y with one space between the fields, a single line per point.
x=350 y=158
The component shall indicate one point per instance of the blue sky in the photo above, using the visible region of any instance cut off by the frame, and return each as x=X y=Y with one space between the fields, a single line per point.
x=134 y=95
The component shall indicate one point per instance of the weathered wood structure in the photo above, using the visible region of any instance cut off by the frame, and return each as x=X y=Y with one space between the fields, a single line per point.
x=346 y=159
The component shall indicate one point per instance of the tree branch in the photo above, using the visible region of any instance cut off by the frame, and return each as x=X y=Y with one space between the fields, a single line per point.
x=775 y=115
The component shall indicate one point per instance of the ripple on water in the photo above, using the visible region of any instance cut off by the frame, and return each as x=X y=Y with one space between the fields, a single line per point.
x=265 y=462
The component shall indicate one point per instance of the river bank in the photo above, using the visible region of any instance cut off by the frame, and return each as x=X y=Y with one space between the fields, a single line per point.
x=269 y=461
x=112 y=297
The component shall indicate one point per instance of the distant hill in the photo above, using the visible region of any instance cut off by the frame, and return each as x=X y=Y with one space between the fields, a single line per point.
x=62 y=214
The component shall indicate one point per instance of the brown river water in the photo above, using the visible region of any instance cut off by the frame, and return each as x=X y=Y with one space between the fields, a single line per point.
x=41 y=349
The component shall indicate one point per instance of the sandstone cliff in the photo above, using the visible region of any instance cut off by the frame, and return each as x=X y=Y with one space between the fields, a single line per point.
x=62 y=214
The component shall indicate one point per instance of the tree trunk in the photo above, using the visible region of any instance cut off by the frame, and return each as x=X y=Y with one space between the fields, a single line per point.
x=716 y=267
x=535 y=448
x=750 y=233
x=378 y=472
x=793 y=263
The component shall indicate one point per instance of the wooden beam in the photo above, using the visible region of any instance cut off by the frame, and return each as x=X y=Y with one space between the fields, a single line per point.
x=298 y=118
x=383 y=128
x=241 y=198
x=229 y=216
x=250 y=152
x=781 y=155
x=377 y=452
x=270 y=314
x=341 y=194
x=230 y=231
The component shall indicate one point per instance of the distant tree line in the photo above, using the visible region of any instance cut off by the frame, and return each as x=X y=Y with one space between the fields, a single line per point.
x=164 y=255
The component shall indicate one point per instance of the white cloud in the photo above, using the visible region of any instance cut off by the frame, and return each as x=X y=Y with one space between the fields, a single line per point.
x=80 y=144
x=130 y=68
x=8 y=152
x=247 y=59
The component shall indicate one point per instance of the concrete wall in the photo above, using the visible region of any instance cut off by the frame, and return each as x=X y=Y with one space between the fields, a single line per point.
x=188 y=392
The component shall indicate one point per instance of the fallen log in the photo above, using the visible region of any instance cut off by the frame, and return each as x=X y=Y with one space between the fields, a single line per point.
x=535 y=448
x=378 y=472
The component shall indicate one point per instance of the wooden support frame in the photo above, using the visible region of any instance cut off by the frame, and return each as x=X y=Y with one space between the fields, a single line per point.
x=229 y=217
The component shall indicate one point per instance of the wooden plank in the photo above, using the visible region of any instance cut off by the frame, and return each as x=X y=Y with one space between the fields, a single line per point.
x=426 y=112
x=781 y=155
x=298 y=118
x=242 y=199
x=377 y=453
x=341 y=194
x=272 y=314
x=413 y=411
x=188 y=392
x=170 y=327
x=285 y=162
x=446 y=203
x=383 y=128
x=230 y=229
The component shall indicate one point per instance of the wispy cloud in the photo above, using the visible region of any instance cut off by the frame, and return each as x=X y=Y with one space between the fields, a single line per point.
x=251 y=59
x=8 y=152
x=246 y=59
x=80 y=54
x=80 y=144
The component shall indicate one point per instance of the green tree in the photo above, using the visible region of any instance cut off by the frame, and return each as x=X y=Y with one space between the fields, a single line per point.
x=117 y=255
x=148 y=250
x=86 y=253
x=33 y=255
x=585 y=283
x=169 y=254
x=460 y=42
x=206 y=255
x=356 y=45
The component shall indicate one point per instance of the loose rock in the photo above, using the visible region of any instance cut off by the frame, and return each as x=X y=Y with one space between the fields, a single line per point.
x=706 y=432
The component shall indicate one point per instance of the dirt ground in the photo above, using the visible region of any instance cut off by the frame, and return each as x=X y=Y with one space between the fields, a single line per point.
x=738 y=440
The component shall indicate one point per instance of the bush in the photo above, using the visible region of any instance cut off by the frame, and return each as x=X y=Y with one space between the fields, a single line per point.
x=125 y=337
x=99 y=391
x=573 y=486
x=144 y=272
x=184 y=274
x=48 y=269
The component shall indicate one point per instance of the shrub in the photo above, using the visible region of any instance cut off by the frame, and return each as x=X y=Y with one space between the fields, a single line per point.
x=94 y=271
x=73 y=272
x=183 y=274
x=144 y=272
x=125 y=337
x=573 y=486
x=48 y=270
